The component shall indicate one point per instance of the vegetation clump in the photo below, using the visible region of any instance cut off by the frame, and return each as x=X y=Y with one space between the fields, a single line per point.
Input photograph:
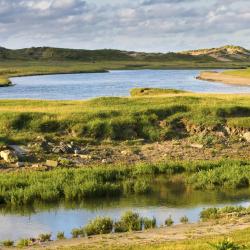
x=184 y=220
x=217 y=213
x=100 y=225
x=7 y=243
x=60 y=236
x=169 y=221
x=129 y=222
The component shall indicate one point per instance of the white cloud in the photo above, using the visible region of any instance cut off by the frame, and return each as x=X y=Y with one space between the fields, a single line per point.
x=152 y=25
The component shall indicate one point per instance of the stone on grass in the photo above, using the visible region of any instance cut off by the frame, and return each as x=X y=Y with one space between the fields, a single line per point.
x=246 y=136
x=9 y=156
x=51 y=163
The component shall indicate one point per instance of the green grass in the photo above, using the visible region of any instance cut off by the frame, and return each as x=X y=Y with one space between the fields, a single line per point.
x=239 y=238
x=151 y=118
x=154 y=92
x=239 y=73
x=27 y=187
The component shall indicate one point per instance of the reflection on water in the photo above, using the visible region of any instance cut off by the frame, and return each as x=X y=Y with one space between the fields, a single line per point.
x=166 y=199
x=114 y=83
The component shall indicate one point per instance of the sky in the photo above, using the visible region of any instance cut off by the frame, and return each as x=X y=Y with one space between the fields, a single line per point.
x=138 y=25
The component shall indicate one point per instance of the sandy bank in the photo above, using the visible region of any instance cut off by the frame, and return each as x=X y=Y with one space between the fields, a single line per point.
x=221 y=77
x=157 y=236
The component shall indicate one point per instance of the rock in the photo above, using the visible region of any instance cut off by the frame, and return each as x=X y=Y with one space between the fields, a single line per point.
x=51 y=163
x=20 y=164
x=106 y=161
x=125 y=152
x=246 y=136
x=9 y=156
x=86 y=157
x=196 y=145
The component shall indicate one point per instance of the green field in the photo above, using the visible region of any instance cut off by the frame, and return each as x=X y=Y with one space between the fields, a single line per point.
x=239 y=73
x=152 y=118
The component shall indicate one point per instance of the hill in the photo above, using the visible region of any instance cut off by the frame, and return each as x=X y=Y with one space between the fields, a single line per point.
x=227 y=53
x=56 y=54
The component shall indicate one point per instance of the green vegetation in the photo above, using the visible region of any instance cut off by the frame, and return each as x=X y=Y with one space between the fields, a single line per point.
x=60 y=236
x=45 y=237
x=150 y=118
x=217 y=213
x=184 y=220
x=228 y=175
x=7 y=243
x=77 y=232
x=239 y=73
x=23 y=243
x=227 y=244
x=99 y=226
x=27 y=187
x=169 y=221
x=154 y=92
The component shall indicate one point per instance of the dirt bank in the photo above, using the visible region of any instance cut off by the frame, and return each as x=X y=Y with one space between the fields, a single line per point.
x=161 y=235
x=214 y=76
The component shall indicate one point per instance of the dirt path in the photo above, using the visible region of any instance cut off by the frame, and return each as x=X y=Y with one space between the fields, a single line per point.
x=220 y=77
x=161 y=235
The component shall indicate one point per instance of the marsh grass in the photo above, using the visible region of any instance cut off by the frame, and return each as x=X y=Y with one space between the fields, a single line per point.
x=77 y=184
x=149 y=118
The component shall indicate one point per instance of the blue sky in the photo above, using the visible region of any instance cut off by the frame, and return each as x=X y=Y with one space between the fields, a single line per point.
x=142 y=25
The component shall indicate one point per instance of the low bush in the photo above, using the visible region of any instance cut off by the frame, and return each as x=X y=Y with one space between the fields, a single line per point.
x=24 y=243
x=226 y=244
x=149 y=223
x=7 y=243
x=60 y=236
x=129 y=221
x=169 y=221
x=100 y=225
x=77 y=232
x=44 y=237
x=184 y=220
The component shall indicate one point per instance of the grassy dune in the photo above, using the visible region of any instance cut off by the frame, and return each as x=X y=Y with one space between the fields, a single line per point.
x=149 y=117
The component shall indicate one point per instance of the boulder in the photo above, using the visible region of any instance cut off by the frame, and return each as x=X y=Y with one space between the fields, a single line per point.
x=20 y=164
x=51 y=163
x=9 y=156
x=196 y=145
x=246 y=136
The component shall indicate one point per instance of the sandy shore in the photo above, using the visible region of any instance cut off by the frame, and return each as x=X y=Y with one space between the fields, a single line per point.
x=160 y=235
x=221 y=77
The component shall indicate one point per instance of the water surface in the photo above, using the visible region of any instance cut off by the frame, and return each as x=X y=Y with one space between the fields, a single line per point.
x=114 y=83
x=165 y=200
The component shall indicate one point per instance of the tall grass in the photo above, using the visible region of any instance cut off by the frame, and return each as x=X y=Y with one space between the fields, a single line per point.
x=27 y=187
x=150 y=118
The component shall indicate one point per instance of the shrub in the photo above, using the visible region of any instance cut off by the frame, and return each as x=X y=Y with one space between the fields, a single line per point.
x=149 y=223
x=23 y=243
x=7 y=243
x=120 y=227
x=209 y=213
x=44 y=237
x=77 y=232
x=99 y=226
x=226 y=244
x=130 y=221
x=184 y=220
x=169 y=221
x=142 y=187
x=60 y=236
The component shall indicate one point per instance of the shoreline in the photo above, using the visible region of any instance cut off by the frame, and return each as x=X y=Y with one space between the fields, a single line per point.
x=165 y=235
x=10 y=84
x=213 y=76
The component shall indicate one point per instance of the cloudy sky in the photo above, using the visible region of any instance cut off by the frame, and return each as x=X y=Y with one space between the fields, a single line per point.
x=143 y=25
